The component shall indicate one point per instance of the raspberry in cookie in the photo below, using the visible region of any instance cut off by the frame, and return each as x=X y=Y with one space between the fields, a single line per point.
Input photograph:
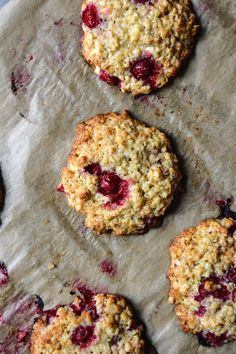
x=121 y=174
x=100 y=323
x=137 y=44
x=203 y=280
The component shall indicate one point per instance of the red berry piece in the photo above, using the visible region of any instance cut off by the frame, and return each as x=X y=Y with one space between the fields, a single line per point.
x=210 y=339
x=120 y=197
x=60 y=188
x=93 y=169
x=146 y=69
x=231 y=275
x=200 y=312
x=109 y=79
x=83 y=336
x=78 y=308
x=113 y=187
x=90 y=16
x=4 y=277
x=220 y=292
x=142 y=68
x=50 y=315
x=109 y=183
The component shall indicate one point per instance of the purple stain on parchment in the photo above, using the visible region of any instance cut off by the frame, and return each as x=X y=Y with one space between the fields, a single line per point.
x=152 y=101
x=4 y=276
x=60 y=57
x=108 y=267
x=86 y=290
x=29 y=57
x=212 y=195
x=17 y=320
x=20 y=79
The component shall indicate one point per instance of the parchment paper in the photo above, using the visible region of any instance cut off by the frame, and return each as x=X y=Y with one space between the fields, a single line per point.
x=40 y=40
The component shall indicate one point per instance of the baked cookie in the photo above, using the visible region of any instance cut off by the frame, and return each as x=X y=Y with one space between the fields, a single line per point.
x=137 y=44
x=102 y=323
x=203 y=280
x=121 y=174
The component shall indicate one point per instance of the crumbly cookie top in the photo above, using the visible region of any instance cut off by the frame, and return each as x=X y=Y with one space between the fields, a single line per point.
x=137 y=44
x=121 y=174
x=203 y=280
x=102 y=324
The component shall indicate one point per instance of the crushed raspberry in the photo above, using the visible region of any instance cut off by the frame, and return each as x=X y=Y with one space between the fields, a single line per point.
x=50 y=315
x=111 y=80
x=210 y=339
x=200 y=312
x=113 y=187
x=92 y=309
x=145 y=69
x=108 y=267
x=220 y=292
x=83 y=336
x=78 y=308
x=109 y=185
x=90 y=16
x=85 y=305
x=60 y=188
x=4 y=277
x=93 y=169
x=231 y=275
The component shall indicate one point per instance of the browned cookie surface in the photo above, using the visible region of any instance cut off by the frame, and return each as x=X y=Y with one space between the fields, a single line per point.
x=203 y=280
x=103 y=323
x=121 y=174
x=137 y=44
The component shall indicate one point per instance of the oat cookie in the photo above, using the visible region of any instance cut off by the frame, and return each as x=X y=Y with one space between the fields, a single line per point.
x=121 y=174
x=102 y=323
x=203 y=280
x=137 y=44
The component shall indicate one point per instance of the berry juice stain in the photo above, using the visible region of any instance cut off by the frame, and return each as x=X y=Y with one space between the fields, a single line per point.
x=17 y=320
x=108 y=267
x=4 y=277
x=29 y=57
x=20 y=79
